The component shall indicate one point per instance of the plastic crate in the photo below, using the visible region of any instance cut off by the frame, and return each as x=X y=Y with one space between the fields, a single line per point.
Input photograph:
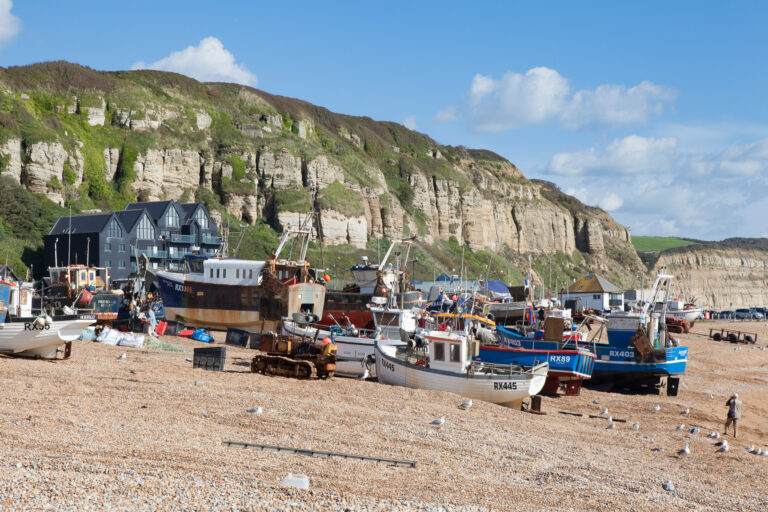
x=209 y=358
x=174 y=328
x=255 y=342
x=237 y=337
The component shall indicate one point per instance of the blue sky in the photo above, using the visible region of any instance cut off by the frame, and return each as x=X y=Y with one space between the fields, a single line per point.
x=655 y=111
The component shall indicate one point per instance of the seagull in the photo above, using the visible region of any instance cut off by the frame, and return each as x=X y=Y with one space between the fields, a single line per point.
x=685 y=451
x=713 y=435
x=694 y=430
x=656 y=408
x=438 y=422
x=687 y=411
x=636 y=425
x=610 y=419
x=256 y=410
x=365 y=374
x=466 y=405
x=765 y=453
x=722 y=449
x=756 y=450
x=711 y=396
x=750 y=448
x=605 y=411
x=668 y=486
x=595 y=401
x=685 y=386
x=681 y=426
x=611 y=425
x=724 y=442
x=122 y=356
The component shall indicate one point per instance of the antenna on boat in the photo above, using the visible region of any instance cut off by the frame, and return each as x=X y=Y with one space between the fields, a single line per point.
x=69 y=243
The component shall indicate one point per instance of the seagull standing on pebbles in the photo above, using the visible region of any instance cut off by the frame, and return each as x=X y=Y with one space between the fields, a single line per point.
x=750 y=448
x=636 y=425
x=713 y=435
x=466 y=405
x=668 y=486
x=722 y=449
x=610 y=419
x=724 y=442
x=680 y=427
x=122 y=356
x=656 y=408
x=694 y=430
x=605 y=411
x=611 y=425
x=685 y=451
x=711 y=396
x=438 y=422
x=687 y=411
x=256 y=410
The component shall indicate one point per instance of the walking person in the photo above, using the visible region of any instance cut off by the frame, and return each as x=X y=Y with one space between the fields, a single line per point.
x=734 y=412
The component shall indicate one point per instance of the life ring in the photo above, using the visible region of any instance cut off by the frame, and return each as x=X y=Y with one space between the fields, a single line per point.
x=442 y=327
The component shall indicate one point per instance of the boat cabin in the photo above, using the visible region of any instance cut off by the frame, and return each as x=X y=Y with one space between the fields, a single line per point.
x=448 y=353
x=80 y=276
x=225 y=271
x=20 y=300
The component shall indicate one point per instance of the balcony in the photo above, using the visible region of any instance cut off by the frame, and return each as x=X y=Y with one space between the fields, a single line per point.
x=153 y=254
x=210 y=240
x=184 y=239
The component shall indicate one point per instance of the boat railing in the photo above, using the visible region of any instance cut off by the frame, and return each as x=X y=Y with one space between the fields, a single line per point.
x=495 y=368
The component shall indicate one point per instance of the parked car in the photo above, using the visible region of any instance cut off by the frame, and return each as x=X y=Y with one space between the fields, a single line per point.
x=726 y=314
x=756 y=313
x=747 y=314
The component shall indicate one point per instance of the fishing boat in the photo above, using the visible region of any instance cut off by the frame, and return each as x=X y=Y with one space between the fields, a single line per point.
x=41 y=336
x=83 y=288
x=372 y=280
x=442 y=360
x=679 y=311
x=254 y=295
x=637 y=353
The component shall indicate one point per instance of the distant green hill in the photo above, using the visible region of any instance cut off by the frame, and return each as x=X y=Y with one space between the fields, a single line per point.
x=659 y=243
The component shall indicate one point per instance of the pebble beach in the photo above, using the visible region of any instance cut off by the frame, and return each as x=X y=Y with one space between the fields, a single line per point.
x=146 y=432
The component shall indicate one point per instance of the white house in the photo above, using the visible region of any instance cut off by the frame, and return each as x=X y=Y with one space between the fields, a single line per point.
x=593 y=292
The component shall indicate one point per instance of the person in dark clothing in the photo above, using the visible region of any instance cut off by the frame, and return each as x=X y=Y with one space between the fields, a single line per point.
x=734 y=412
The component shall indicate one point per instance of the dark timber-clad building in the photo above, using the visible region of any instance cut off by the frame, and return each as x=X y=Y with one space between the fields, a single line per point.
x=165 y=231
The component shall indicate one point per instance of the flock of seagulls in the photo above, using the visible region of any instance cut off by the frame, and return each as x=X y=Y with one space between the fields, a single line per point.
x=439 y=422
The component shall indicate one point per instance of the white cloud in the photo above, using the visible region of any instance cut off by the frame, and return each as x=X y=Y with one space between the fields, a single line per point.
x=410 y=123
x=542 y=94
x=615 y=105
x=447 y=115
x=9 y=24
x=515 y=99
x=207 y=62
x=660 y=187
x=630 y=155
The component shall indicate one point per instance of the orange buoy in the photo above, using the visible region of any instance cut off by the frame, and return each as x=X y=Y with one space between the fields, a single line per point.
x=327 y=340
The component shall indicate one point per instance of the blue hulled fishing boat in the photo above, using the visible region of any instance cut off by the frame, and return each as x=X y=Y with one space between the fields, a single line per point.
x=638 y=351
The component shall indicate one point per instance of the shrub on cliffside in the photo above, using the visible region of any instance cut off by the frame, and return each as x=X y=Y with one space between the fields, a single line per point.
x=341 y=199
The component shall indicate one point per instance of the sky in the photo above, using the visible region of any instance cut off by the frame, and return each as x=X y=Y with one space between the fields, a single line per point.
x=655 y=111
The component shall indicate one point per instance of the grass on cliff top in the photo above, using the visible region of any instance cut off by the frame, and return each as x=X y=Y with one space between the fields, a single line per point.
x=658 y=243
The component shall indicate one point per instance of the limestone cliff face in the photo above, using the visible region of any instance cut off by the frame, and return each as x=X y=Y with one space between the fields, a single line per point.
x=718 y=278
x=246 y=147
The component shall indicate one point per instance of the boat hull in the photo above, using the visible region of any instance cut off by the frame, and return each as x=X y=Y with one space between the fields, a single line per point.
x=508 y=390
x=567 y=368
x=220 y=306
x=22 y=337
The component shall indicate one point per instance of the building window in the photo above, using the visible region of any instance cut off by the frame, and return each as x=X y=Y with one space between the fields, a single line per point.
x=201 y=218
x=121 y=264
x=217 y=273
x=250 y=274
x=455 y=352
x=145 y=230
x=114 y=230
x=121 y=247
x=107 y=246
x=108 y=263
x=439 y=351
x=211 y=273
x=224 y=274
x=596 y=297
x=237 y=273
x=172 y=218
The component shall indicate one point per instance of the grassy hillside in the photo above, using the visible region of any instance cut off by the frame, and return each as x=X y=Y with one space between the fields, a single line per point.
x=659 y=243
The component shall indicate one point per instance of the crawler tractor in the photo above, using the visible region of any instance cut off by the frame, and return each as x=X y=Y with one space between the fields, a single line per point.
x=293 y=356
